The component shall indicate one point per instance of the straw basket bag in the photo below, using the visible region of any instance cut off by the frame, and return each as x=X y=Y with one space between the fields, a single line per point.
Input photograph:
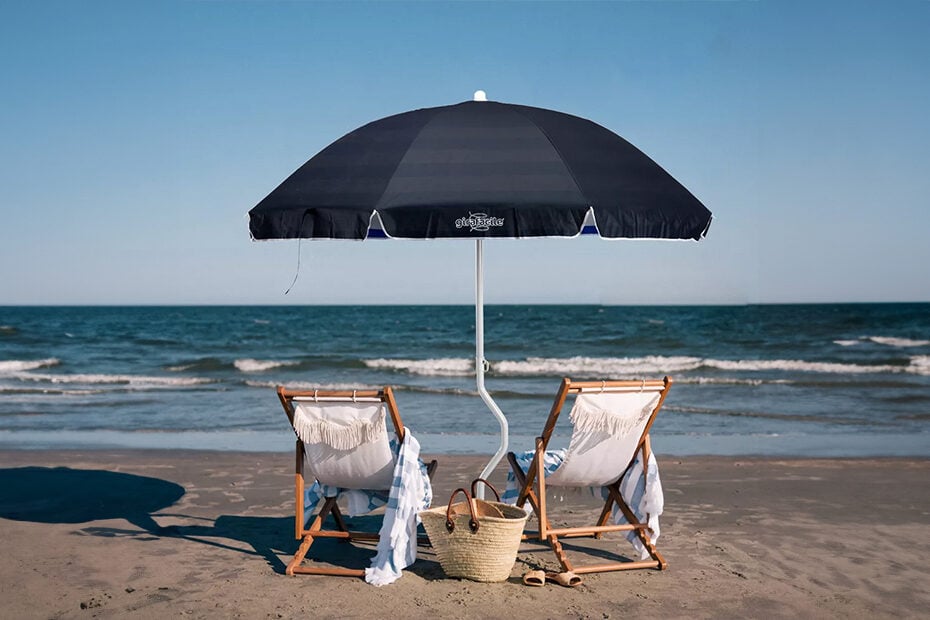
x=475 y=539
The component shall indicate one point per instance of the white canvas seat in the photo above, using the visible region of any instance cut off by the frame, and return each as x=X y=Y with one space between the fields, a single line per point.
x=610 y=435
x=343 y=444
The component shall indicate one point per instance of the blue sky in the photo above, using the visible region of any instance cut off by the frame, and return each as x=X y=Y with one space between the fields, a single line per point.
x=136 y=136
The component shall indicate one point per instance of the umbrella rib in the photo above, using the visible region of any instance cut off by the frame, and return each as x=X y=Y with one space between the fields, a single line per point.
x=571 y=172
x=377 y=203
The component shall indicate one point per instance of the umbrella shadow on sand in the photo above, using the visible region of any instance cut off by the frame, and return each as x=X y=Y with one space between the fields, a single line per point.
x=62 y=495
x=65 y=495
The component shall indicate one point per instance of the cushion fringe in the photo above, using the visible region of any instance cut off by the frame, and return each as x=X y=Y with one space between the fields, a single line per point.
x=587 y=417
x=338 y=436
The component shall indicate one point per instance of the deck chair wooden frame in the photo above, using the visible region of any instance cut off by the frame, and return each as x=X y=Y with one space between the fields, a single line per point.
x=532 y=483
x=307 y=535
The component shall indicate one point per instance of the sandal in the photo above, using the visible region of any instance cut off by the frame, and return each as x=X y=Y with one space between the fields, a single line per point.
x=567 y=579
x=534 y=578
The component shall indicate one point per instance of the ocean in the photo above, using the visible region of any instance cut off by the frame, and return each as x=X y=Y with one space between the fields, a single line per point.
x=792 y=380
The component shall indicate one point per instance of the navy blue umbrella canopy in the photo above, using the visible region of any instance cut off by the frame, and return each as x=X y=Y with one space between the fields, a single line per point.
x=479 y=169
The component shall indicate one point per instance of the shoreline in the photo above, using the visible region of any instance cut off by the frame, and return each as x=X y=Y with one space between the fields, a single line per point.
x=155 y=533
x=770 y=445
x=35 y=456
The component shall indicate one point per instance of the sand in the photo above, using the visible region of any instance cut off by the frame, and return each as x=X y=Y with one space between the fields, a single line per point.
x=158 y=534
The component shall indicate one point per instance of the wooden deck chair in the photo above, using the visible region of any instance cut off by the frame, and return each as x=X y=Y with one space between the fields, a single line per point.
x=611 y=421
x=347 y=446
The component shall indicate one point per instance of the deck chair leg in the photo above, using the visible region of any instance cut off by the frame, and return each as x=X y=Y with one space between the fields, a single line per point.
x=517 y=473
x=300 y=555
x=644 y=538
x=430 y=472
x=560 y=553
x=605 y=515
x=307 y=540
x=540 y=479
x=538 y=511
x=337 y=517
x=530 y=495
x=295 y=566
x=520 y=475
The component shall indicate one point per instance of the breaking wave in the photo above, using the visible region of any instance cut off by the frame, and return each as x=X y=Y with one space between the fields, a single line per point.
x=888 y=341
x=138 y=381
x=729 y=381
x=251 y=365
x=801 y=366
x=442 y=367
x=595 y=367
x=920 y=364
x=305 y=385
x=397 y=387
x=11 y=366
x=898 y=342
x=20 y=391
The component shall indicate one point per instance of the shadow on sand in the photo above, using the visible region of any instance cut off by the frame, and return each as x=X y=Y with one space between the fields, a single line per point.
x=63 y=495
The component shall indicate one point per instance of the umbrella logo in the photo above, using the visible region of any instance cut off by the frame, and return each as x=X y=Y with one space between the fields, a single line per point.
x=479 y=222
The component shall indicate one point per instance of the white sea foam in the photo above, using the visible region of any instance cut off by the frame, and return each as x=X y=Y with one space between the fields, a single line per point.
x=12 y=366
x=137 y=381
x=541 y=366
x=305 y=385
x=180 y=368
x=920 y=364
x=45 y=391
x=250 y=365
x=846 y=343
x=441 y=367
x=898 y=342
x=596 y=366
x=800 y=366
x=729 y=381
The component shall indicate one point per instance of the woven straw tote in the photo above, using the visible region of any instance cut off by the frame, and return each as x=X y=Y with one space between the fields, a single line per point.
x=475 y=539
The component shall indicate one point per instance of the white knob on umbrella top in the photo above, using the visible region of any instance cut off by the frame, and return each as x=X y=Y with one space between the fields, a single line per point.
x=480 y=95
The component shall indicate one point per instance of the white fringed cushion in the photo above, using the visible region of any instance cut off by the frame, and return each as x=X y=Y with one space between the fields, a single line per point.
x=341 y=434
x=607 y=427
x=346 y=443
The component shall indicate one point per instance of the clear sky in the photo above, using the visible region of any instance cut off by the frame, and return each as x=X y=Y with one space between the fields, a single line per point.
x=134 y=138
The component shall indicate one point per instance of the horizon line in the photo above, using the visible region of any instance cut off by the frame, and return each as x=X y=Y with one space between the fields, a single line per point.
x=454 y=305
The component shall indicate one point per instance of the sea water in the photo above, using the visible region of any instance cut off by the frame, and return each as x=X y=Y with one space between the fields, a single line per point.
x=817 y=380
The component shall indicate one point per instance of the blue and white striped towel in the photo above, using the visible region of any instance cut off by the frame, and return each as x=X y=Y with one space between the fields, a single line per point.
x=641 y=490
x=410 y=493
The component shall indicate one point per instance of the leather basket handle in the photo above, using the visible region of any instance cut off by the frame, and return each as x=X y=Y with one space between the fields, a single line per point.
x=474 y=485
x=472 y=521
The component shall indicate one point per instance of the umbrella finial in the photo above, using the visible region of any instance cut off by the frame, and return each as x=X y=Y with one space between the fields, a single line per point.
x=480 y=95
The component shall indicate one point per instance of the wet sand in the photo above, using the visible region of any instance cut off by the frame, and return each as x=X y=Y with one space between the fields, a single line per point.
x=155 y=534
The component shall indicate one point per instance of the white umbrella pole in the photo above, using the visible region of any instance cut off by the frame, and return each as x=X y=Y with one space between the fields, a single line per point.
x=481 y=366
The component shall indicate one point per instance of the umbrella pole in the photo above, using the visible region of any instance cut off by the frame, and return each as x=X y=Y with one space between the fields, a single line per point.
x=481 y=366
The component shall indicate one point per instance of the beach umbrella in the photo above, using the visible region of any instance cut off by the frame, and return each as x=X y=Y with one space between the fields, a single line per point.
x=477 y=170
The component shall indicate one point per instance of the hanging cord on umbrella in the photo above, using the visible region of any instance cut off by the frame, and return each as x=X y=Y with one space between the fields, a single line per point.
x=297 y=273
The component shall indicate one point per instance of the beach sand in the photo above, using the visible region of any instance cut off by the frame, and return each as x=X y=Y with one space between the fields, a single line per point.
x=157 y=534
